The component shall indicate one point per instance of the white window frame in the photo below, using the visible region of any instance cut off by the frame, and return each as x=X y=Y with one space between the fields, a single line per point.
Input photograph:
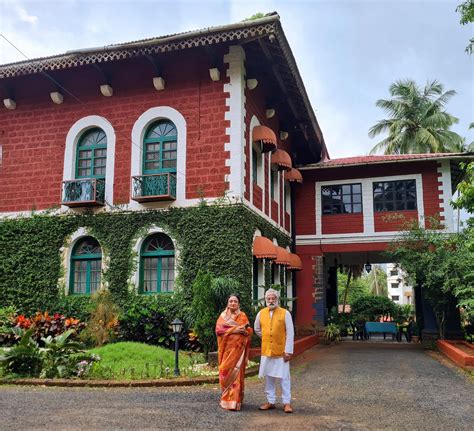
x=74 y=134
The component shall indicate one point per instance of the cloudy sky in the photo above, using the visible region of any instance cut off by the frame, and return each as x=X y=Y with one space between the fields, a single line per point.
x=348 y=51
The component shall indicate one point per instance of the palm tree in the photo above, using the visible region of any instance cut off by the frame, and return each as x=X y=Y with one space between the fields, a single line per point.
x=418 y=122
x=377 y=280
x=463 y=146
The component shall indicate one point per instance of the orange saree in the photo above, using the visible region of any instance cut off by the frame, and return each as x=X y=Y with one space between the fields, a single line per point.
x=233 y=355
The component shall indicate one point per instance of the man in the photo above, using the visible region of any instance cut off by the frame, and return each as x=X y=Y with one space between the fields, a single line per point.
x=274 y=326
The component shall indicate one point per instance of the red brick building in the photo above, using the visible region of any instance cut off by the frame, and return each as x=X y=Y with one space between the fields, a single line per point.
x=167 y=122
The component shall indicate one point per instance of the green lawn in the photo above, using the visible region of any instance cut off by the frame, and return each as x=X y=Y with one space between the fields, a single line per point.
x=134 y=361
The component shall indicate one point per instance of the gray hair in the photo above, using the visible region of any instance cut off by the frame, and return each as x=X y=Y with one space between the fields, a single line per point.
x=274 y=292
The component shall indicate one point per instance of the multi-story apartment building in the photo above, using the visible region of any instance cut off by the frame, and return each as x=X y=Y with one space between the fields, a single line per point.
x=398 y=289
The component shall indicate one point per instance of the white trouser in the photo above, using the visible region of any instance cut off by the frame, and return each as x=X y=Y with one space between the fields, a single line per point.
x=270 y=389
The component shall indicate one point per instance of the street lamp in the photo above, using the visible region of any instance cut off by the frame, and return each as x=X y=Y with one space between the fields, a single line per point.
x=177 y=326
x=368 y=266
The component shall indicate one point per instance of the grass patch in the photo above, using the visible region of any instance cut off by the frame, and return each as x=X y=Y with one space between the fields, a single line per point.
x=138 y=361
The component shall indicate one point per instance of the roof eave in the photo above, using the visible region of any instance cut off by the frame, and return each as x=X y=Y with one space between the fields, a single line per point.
x=378 y=162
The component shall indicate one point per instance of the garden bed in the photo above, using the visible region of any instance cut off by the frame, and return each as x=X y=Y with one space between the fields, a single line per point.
x=177 y=381
x=460 y=352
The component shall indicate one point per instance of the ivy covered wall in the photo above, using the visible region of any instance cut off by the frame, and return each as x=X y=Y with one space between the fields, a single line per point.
x=215 y=238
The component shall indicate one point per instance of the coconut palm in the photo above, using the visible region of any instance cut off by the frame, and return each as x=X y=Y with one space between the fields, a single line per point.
x=418 y=122
x=463 y=146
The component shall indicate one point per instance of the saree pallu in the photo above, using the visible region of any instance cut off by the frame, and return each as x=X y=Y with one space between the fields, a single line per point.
x=233 y=354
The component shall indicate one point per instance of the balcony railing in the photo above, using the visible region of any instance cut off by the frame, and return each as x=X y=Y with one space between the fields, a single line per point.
x=84 y=192
x=156 y=187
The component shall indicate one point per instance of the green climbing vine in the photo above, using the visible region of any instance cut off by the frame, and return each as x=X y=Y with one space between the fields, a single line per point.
x=211 y=237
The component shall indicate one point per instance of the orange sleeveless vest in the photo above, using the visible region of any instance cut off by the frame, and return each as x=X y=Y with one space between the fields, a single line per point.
x=273 y=332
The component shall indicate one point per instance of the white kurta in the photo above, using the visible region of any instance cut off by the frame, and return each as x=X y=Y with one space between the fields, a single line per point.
x=277 y=367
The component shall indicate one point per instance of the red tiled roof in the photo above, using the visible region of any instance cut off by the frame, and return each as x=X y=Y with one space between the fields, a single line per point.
x=365 y=160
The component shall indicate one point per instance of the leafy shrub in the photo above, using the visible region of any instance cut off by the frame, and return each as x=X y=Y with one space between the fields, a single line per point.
x=45 y=325
x=102 y=325
x=78 y=306
x=332 y=333
x=63 y=357
x=372 y=308
x=147 y=319
x=7 y=322
x=209 y=299
x=23 y=359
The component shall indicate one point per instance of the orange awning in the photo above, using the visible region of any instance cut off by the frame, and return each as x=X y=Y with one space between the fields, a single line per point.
x=263 y=248
x=295 y=262
x=282 y=159
x=283 y=257
x=266 y=137
x=294 y=175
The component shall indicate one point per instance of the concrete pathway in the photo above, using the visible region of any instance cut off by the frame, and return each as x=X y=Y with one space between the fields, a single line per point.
x=355 y=385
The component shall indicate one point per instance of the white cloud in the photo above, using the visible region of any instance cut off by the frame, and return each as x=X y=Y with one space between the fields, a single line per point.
x=25 y=16
x=19 y=11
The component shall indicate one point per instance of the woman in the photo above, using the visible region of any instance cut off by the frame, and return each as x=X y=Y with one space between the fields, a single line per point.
x=232 y=330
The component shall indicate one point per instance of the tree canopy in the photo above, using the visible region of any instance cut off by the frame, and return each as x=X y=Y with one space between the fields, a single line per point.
x=418 y=122
x=442 y=264
x=466 y=10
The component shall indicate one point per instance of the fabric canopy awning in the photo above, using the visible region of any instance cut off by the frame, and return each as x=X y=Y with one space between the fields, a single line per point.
x=263 y=248
x=295 y=262
x=283 y=257
x=294 y=175
x=282 y=159
x=265 y=137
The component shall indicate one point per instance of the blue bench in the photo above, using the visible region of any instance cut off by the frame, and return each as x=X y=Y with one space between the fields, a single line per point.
x=381 y=328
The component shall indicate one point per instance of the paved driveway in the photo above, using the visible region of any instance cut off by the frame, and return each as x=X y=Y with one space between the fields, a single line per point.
x=350 y=386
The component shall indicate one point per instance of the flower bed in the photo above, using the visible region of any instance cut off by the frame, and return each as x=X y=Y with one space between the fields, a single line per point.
x=460 y=352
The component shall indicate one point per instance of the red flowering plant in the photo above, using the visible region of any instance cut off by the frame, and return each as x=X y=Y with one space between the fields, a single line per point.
x=22 y=322
x=45 y=325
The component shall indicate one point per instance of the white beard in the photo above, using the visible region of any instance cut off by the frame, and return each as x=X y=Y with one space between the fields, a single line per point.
x=272 y=306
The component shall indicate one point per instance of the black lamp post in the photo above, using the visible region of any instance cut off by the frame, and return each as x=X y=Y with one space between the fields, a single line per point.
x=177 y=326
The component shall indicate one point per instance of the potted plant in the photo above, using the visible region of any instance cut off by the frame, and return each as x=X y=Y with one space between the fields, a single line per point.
x=332 y=333
x=415 y=333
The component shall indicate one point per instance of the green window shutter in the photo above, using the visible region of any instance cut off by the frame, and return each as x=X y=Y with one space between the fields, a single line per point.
x=160 y=148
x=86 y=262
x=157 y=265
x=91 y=154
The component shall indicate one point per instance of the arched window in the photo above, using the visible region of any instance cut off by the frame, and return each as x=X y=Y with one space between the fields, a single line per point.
x=157 y=264
x=91 y=154
x=86 y=262
x=159 y=148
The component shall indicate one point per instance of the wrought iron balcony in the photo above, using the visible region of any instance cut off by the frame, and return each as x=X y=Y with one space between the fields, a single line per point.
x=84 y=192
x=156 y=187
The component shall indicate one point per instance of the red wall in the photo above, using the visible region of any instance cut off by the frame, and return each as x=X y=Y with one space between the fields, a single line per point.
x=305 y=206
x=342 y=223
x=255 y=106
x=306 y=200
x=257 y=196
x=33 y=136
x=390 y=221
